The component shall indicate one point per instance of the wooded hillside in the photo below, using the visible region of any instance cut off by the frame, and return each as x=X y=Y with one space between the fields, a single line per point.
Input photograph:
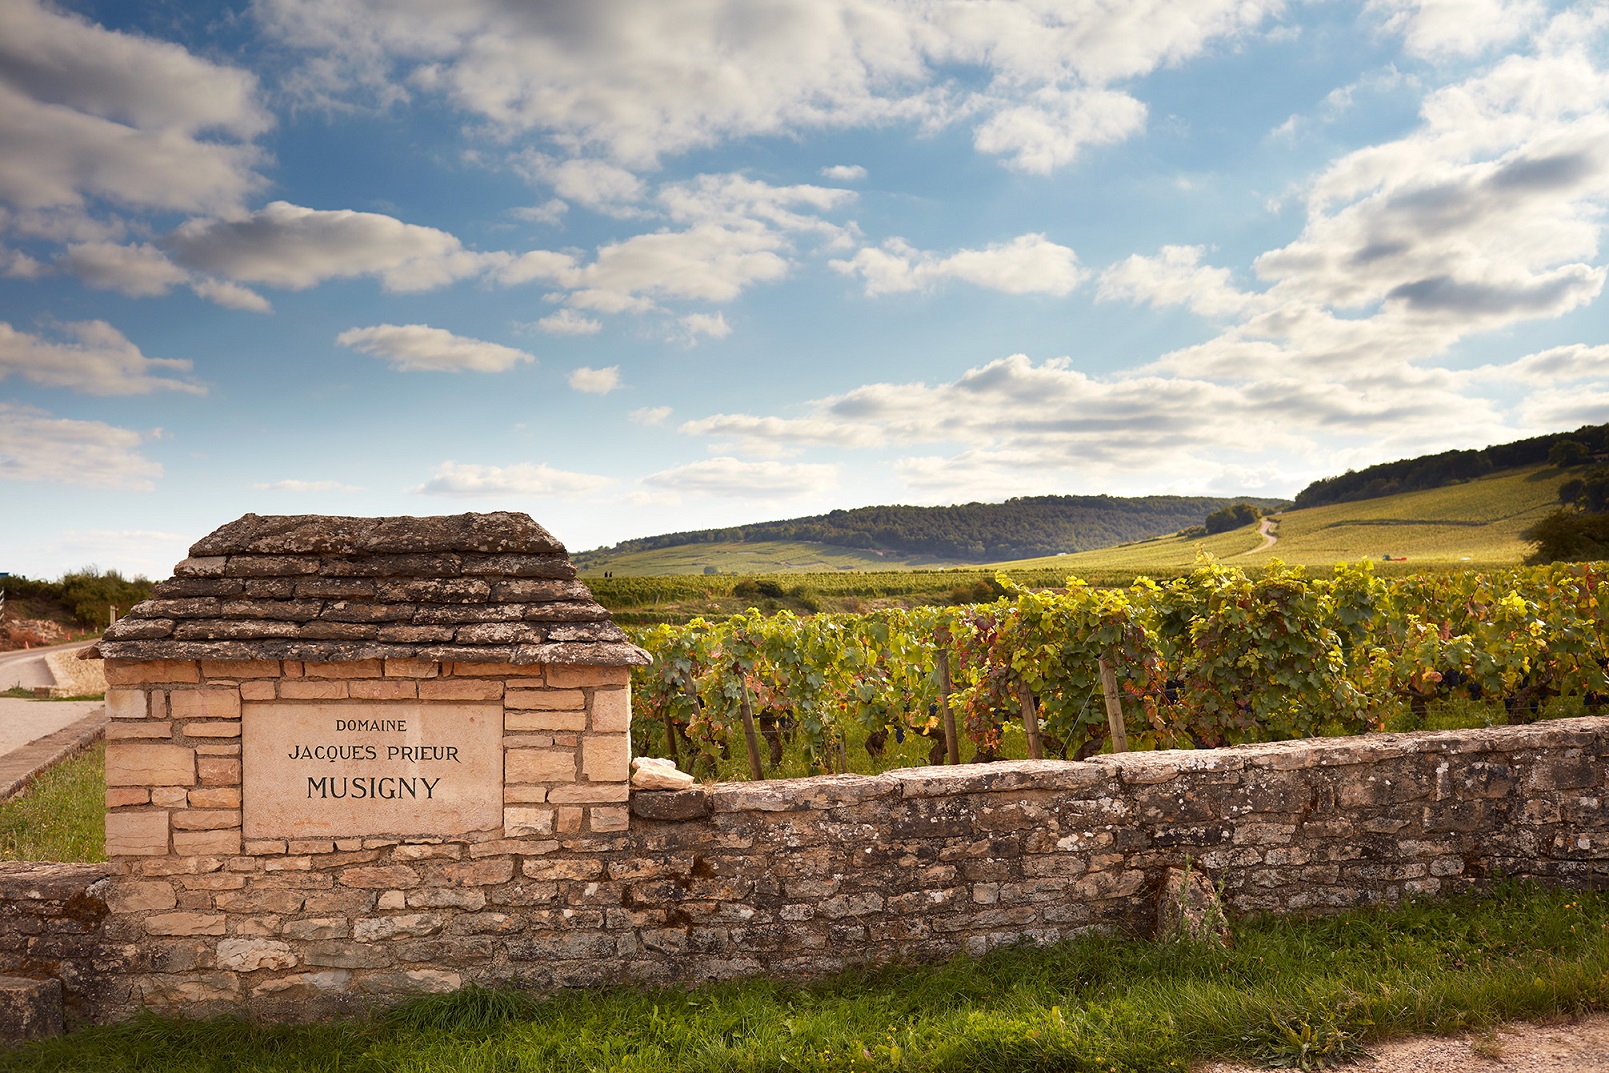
x=975 y=532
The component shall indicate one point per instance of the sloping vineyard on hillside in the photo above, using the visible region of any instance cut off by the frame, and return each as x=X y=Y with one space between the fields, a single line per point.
x=1211 y=658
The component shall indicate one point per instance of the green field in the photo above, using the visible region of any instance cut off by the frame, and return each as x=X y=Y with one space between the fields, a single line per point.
x=1477 y=523
x=754 y=557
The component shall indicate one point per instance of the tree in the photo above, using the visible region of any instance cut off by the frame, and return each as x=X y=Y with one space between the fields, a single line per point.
x=1567 y=453
x=1568 y=536
x=1232 y=517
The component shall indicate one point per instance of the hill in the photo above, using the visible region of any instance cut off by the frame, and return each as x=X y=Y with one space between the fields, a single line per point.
x=880 y=537
x=1448 y=467
x=1475 y=523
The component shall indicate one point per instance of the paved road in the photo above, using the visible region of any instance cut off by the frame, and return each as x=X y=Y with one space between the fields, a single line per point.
x=27 y=668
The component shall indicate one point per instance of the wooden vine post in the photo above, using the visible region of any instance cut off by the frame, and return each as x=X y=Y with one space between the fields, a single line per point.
x=1030 y=720
x=952 y=747
x=749 y=737
x=1114 y=706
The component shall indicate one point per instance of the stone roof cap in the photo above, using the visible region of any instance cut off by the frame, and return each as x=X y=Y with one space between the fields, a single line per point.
x=477 y=588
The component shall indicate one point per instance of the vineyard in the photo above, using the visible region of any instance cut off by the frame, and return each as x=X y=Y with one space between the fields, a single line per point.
x=1215 y=657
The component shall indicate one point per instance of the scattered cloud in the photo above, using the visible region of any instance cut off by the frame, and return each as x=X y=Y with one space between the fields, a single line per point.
x=1557 y=365
x=695 y=326
x=650 y=415
x=549 y=212
x=35 y=446
x=844 y=173
x=293 y=485
x=417 y=348
x=231 y=295
x=1443 y=29
x=595 y=381
x=289 y=246
x=632 y=81
x=736 y=479
x=1175 y=277
x=94 y=358
x=569 y=322
x=597 y=184
x=1028 y=264
x=87 y=112
x=521 y=479
x=140 y=271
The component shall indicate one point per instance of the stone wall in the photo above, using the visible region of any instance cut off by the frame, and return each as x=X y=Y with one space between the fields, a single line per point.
x=803 y=877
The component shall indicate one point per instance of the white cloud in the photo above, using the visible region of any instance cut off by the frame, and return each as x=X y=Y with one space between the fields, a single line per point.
x=597 y=184
x=1028 y=264
x=595 y=381
x=1561 y=364
x=696 y=326
x=706 y=262
x=1458 y=28
x=294 y=485
x=1175 y=277
x=96 y=359
x=285 y=245
x=569 y=322
x=549 y=212
x=633 y=80
x=418 y=348
x=141 y=271
x=736 y=479
x=232 y=295
x=843 y=173
x=519 y=480
x=650 y=415
x=86 y=112
x=1554 y=409
x=1049 y=132
x=37 y=447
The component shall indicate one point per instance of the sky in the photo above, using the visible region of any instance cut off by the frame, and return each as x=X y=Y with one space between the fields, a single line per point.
x=638 y=266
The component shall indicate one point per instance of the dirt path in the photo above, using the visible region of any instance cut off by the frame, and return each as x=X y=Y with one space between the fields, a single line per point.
x=1580 y=1046
x=1265 y=529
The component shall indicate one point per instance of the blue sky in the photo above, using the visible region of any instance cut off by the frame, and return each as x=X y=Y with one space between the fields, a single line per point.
x=634 y=266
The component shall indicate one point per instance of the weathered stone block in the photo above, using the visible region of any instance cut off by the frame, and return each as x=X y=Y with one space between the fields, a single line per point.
x=539 y=765
x=218 y=770
x=141 y=895
x=574 y=700
x=205 y=819
x=606 y=757
x=577 y=677
x=126 y=704
x=572 y=721
x=219 y=729
x=197 y=843
x=611 y=710
x=263 y=690
x=215 y=797
x=608 y=818
x=251 y=955
x=126 y=673
x=137 y=730
x=312 y=689
x=254 y=668
x=411 y=668
x=384 y=689
x=149 y=765
x=672 y=804
x=460 y=689
x=204 y=703
x=519 y=821
x=181 y=923
x=120 y=796
x=29 y=1008
x=363 y=668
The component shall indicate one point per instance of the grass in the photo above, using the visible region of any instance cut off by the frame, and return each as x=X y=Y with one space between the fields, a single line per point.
x=26 y=693
x=61 y=815
x=1100 y=1002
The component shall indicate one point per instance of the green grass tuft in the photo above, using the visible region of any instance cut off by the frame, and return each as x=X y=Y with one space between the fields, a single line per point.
x=61 y=816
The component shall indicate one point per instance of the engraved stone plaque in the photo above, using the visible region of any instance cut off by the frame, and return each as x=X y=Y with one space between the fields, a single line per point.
x=325 y=769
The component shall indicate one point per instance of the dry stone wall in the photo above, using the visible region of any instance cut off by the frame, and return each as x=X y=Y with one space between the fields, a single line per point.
x=799 y=877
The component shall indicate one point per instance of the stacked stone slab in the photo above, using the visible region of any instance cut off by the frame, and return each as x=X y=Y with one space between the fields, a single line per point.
x=469 y=614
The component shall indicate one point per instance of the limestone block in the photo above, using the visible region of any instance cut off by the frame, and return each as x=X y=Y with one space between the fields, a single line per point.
x=221 y=729
x=201 y=843
x=257 y=690
x=412 y=668
x=204 y=703
x=460 y=689
x=404 y=925
x=29 y=1009
x=125 y=673
x=607 y=818
x=182 y=923
x=519 y=821
x=539 y=765
x=524 y=795
x=606 y=757
x=169 y=796
x=611 y=710
x=206 y=819
x=588 y=793
x=567 y=820
x=132 y=730
x=384 y=689
x=215 y=797
x=126 y=704
x=254 y=668
x=149 y=765
x=217 y=770
x=414 y=981
x=363 y=668
x=446 y=898
x=546 y=700
x=545 y=720
x=120 y=796
x=250 y=955
x=692 y=804
x=305 y=689
x=568 y=677
x=141 y=896
x=654 y=773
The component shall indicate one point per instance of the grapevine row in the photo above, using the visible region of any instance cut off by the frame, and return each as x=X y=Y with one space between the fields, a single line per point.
x=1211 y=658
